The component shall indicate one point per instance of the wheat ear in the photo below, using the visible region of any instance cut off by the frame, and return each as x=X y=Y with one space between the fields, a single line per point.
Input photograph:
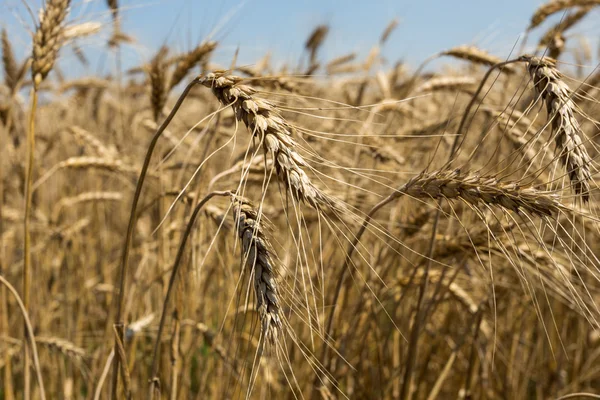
x=157 y=75
x=47 y=41
x=477 y=190
x=554 y=6
x=566 y=131
x=257 y=254
x=475 y=55
x=189 y=60
x=554 y=38
x=9 y=62
x=263 y=120
x=453 y=83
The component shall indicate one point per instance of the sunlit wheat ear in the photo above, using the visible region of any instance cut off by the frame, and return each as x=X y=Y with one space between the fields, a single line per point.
x=336 y=63
x=258 y=256
x=390 y=27
x=454 y=83
x=48 y=38
x=189 y=61
x=477 y=190
x=554 y=6
x=315 y=41
x=157 y=76
x=87 y=197
x=93 y=142
x=9 y=62
x=554 y=39
x=476 y=56
x=566 y=131
x=265 y=122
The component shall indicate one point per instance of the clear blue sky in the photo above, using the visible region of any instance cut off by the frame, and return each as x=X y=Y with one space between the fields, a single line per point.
x=281 y=27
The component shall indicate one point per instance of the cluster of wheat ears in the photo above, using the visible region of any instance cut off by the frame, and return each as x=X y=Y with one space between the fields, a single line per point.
x=328 y=230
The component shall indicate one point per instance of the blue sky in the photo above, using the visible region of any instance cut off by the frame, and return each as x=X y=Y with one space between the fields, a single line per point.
x=281 y=27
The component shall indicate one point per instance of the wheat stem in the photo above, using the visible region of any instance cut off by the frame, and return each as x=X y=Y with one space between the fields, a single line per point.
x=133 y=214
x=154 y=379
x=29 y=335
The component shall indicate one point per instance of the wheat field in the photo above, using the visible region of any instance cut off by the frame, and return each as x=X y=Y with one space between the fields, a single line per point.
x=340 y=228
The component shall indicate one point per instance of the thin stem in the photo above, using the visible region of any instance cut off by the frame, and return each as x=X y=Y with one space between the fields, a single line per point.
x=132 y=218
x=395 y=195
x=474 y=98
x=8 y=378
x=414 y=334
x=154 y=380
x=349 y=253
x=30 y=336
x=420 y=312
x=27 y=237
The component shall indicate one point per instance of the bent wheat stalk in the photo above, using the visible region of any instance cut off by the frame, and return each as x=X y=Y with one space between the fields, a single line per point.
x=30 y=335
x=133 y=214
x=392 y=197
x=47 y=41
x=154 y=379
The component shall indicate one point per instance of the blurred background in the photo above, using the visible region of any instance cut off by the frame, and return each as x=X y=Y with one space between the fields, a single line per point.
x=280 y=28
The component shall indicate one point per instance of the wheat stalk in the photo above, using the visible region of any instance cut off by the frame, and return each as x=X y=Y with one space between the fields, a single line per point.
x=114 y=8
x=47 y=41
